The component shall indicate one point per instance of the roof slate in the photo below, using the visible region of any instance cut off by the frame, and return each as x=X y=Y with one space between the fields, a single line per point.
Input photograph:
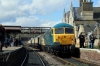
x=77 y=12
x=89 y=28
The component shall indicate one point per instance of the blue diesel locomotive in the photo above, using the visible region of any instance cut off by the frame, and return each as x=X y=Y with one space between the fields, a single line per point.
x=60 y=39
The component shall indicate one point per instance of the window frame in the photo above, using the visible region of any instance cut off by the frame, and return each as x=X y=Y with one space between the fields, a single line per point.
x=66 y=32
x=59 y=33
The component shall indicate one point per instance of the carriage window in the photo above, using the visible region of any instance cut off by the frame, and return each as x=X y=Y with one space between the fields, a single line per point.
x=59 y=30
x=69 y=30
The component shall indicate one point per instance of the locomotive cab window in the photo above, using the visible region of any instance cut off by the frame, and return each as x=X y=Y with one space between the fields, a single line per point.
x=69 y=30
x=52 y=31
x=59 y=30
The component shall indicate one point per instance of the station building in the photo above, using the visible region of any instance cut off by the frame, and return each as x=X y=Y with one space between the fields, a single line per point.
x=84 y=18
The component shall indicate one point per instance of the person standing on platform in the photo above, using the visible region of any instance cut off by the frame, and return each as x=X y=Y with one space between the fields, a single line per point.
x=16 y=42
x=2 y=37
x=81 y=40
x=92 y=39
x=6 y=41
x=12 y=42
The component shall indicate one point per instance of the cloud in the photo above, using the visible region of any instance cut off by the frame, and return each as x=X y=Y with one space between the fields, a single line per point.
x=32 y=22
x=27 y=12
x=47 y=6
x=24 y=21
x=50 y=23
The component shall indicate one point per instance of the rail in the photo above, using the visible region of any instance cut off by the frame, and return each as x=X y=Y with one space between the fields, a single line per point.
x=43 y=64
x=24 y=59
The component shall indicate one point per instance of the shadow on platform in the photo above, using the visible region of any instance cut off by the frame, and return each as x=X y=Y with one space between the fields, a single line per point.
x=76 y=53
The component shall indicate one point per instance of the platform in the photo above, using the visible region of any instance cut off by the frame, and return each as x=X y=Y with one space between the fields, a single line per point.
x=9 y=49
x=10 y=55
x=90 y=55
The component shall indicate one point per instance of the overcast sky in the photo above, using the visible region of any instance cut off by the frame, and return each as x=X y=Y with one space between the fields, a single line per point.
x=35 y=13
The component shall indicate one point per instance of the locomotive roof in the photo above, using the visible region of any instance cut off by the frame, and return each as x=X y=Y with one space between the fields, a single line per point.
x=59 y=25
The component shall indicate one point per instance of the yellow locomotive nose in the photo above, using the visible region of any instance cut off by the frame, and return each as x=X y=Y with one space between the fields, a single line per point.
x=65 y=39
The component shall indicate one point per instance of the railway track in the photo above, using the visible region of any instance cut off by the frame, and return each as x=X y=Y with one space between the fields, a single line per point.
x=42 y=62
x=89 y=63
x=73 y=61
x=77 y=62
x=65 y=61
x=33 y=58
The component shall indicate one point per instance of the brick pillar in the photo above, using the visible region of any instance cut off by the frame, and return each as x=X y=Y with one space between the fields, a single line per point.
x=76 y=35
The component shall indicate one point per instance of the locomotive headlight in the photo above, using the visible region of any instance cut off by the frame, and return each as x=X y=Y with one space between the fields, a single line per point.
x=58 y=37
x=70 y=37
x=72 y=40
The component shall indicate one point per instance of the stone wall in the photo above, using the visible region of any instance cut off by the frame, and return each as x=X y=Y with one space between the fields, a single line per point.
x=90 y=55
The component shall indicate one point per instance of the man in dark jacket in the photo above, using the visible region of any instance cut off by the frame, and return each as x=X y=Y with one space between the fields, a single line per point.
x=2 y=36
x=81 y=40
